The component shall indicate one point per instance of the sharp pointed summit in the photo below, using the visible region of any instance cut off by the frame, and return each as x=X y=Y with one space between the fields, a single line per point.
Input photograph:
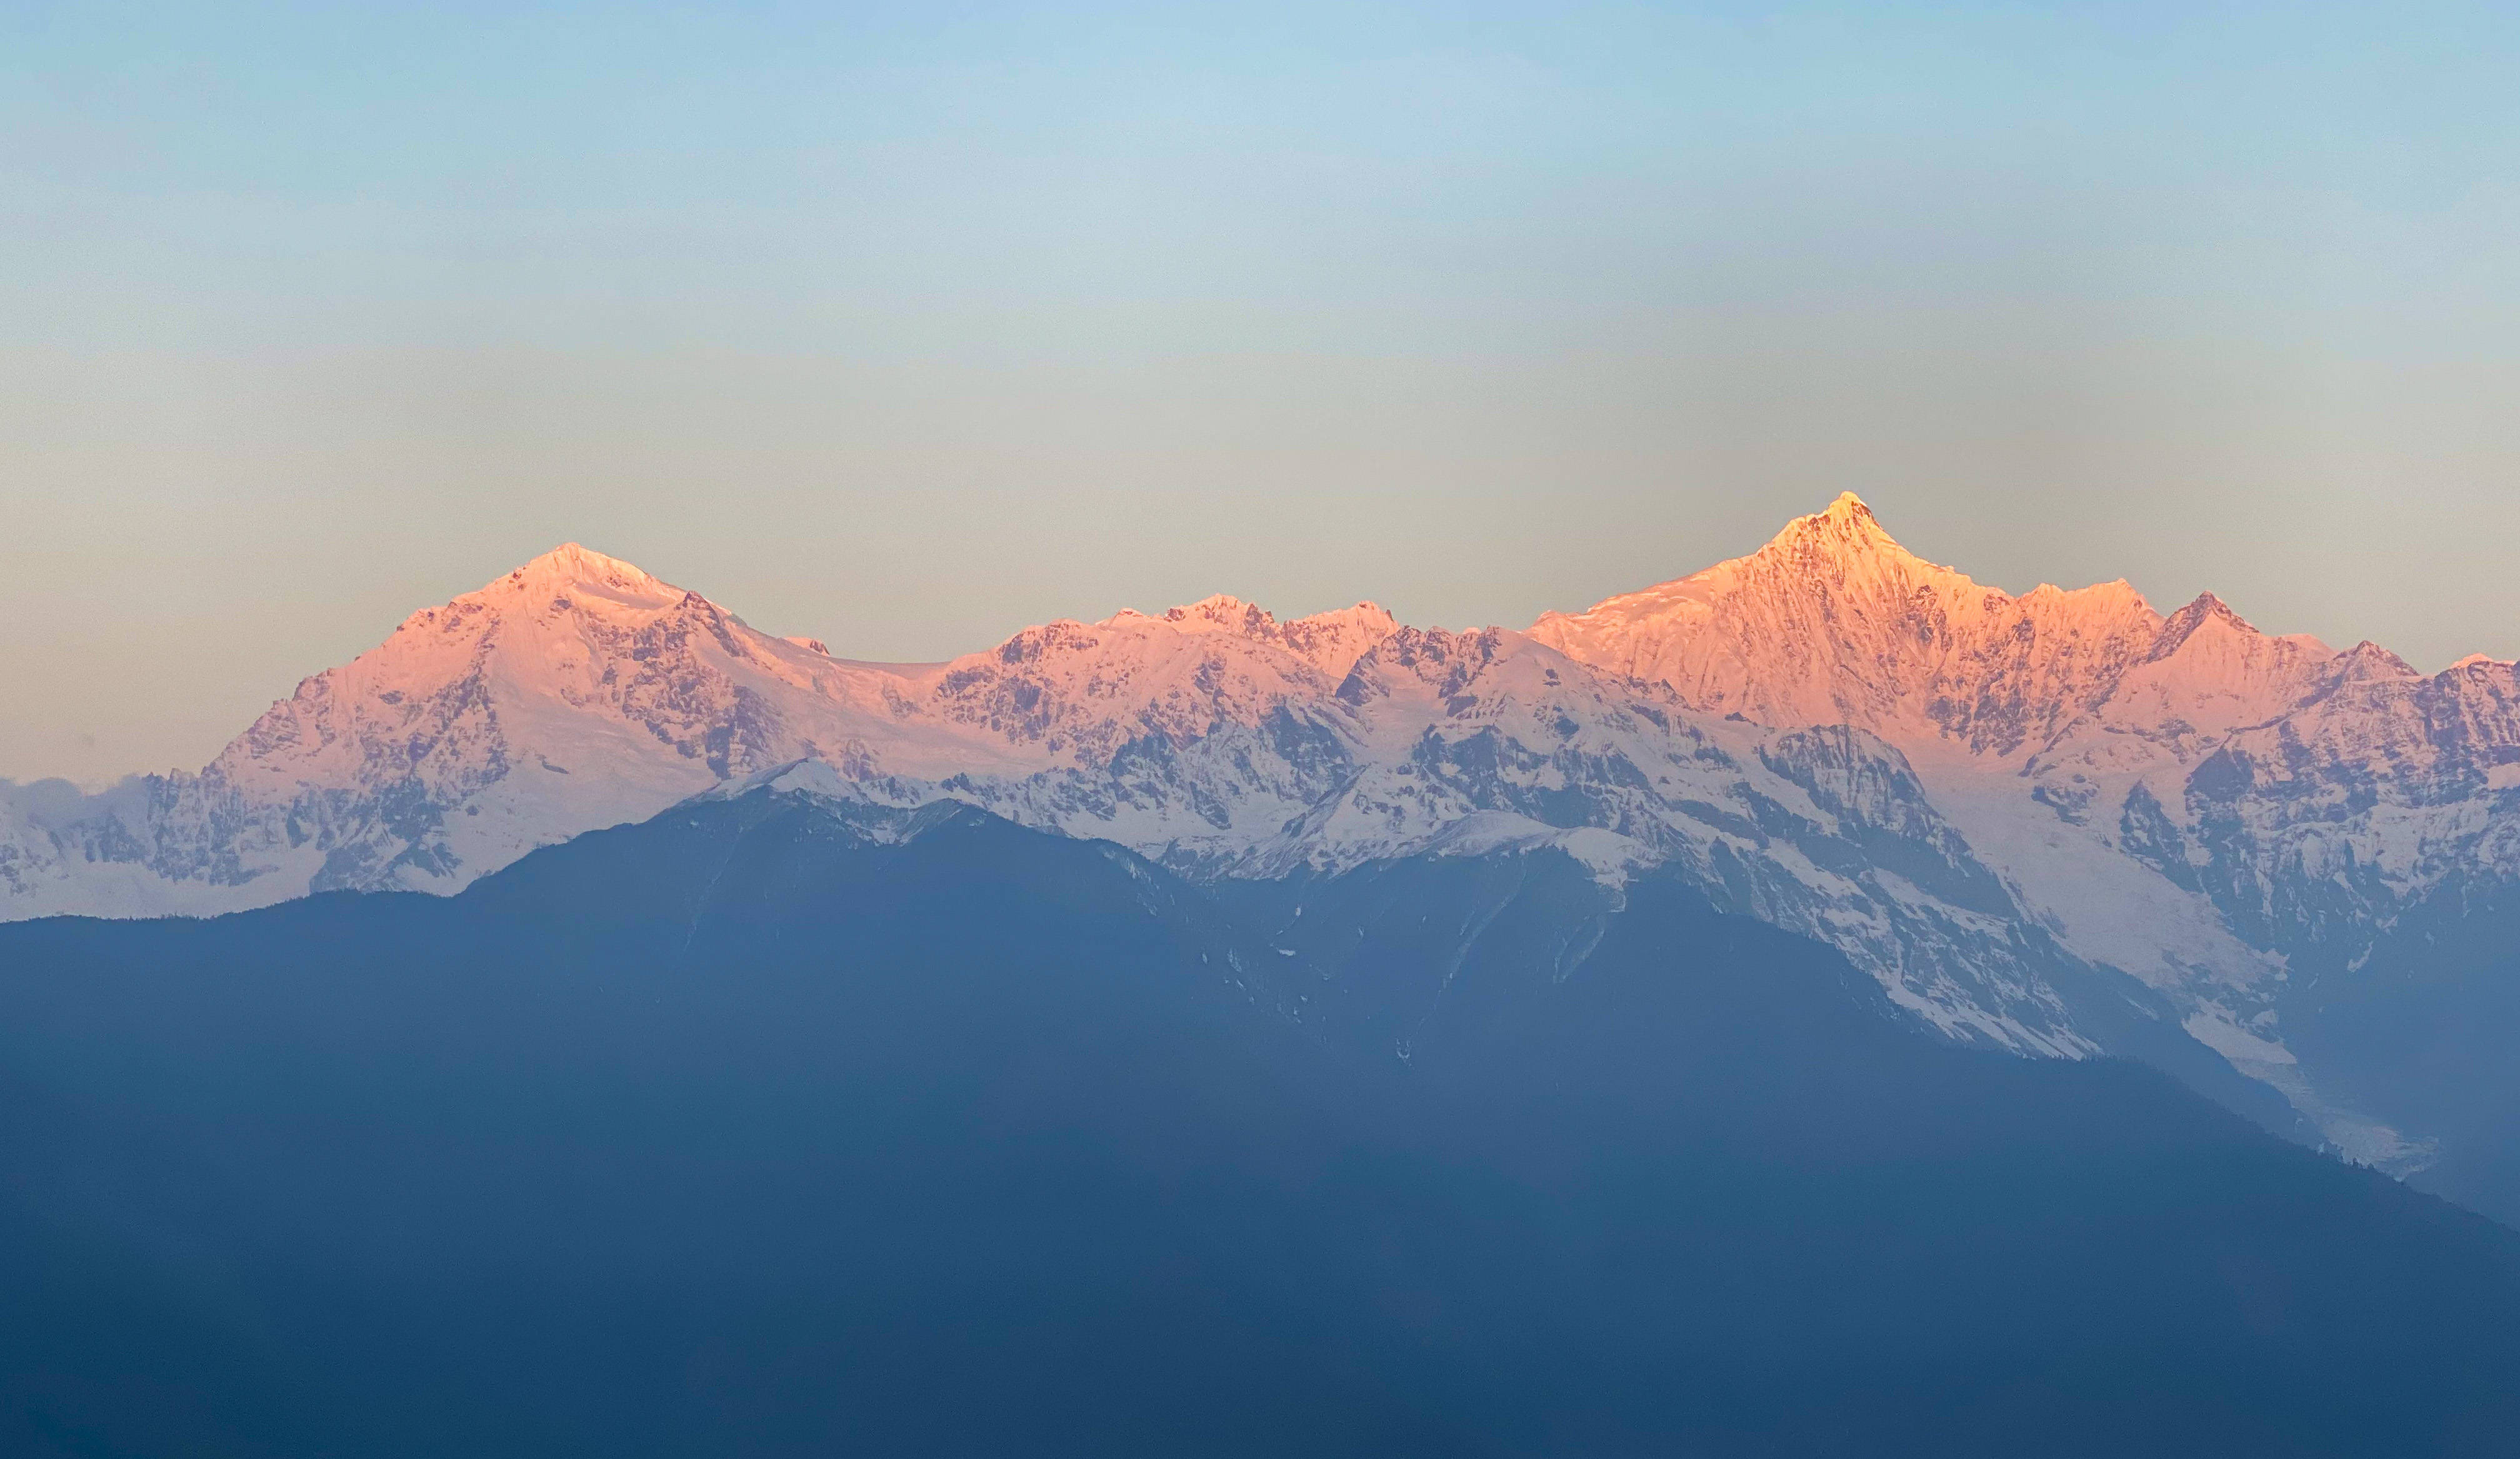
x=1847 y=511
x=1833 y=621
x=1843 y=532
x=576 y=559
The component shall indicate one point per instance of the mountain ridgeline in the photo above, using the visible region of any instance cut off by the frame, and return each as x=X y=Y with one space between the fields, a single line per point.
x=2059 y=823
x=795 y=1121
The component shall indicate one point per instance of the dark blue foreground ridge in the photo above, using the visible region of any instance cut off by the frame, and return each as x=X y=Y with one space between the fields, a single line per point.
x=771 y=1126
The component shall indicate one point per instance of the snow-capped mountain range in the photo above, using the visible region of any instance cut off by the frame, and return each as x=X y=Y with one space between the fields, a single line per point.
x=2049 y=822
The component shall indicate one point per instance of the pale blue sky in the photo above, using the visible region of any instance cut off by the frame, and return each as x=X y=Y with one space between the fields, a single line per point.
x=908 y=325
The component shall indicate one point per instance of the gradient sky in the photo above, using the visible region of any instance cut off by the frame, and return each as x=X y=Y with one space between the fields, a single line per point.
x=906 y=326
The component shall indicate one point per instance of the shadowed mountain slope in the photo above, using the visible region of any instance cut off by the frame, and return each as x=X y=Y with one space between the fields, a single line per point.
x=784 y=1125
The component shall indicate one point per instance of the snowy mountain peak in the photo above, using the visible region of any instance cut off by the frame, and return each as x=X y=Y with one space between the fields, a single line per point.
x=2367 y=663
x=1834 y=622
x=2206 y=647
x=577 y=560
x=1223 y=612
x=2204 y=610
x=1847 y=510
x=1079 y=694
x=570 y=566
x=1843 y=543
x=1331 y=642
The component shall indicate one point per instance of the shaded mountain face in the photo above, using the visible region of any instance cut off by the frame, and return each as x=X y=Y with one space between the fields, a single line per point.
x=793 y=1124
x=2058 y=824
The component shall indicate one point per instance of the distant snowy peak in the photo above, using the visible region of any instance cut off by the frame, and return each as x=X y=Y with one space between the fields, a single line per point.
x=579 y=691
x=1077 y=694
x=1832 y=621
x=559 y=658
x=1493 y=679
x=2207 y=673
x=571 y=568
x=1844 y=544
x=581 y=663
x=2374 y=724
x=2208 y=630
x=1331 y=642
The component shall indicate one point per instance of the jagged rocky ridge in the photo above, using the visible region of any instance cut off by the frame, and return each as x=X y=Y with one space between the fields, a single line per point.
x=2057 y=823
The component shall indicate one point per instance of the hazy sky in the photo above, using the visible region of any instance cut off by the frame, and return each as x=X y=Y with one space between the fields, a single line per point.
x=906 y=326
